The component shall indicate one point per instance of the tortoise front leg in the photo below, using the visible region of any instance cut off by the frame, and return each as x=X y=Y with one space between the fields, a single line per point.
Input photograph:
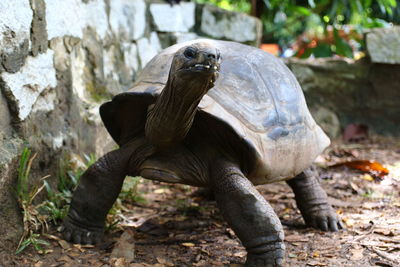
x=98 y=189
x=250 y=216
x=312 y=201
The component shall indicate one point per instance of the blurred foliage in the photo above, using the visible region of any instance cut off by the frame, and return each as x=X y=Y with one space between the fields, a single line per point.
x=233 y=5
x=317 y=27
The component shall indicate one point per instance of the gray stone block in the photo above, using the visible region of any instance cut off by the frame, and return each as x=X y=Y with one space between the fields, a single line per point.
x=25 y=86
x=176 y=18
x=71 y=17
x=15 y=26
x=128 y=18
x=383 y=45
x=221 y=24
x=39 y=32
x=148 y=48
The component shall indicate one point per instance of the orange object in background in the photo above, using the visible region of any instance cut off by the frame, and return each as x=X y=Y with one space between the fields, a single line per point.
x=370 y=166
x=271 y=48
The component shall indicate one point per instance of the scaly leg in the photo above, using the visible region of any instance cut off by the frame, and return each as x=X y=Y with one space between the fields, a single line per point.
x=250 y=216
x=313 y=203
x=98 y=189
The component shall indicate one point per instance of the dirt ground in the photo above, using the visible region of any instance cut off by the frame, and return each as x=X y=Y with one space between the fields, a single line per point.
x=177 y=225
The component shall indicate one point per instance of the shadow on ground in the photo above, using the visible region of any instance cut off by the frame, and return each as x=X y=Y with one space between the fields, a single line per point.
x=179 y=226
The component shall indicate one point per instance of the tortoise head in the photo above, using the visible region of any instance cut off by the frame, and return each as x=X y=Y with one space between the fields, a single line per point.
x=197 y=63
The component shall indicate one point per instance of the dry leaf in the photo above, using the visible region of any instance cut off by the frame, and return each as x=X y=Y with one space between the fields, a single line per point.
x=64 y=244
x=296 y=238
x=349 y=222
x=370 y=166
x=384 y=231
x=357 y=254
x=368 y=177
x=125 y=247
x=65 y=258
x=316 y=263
x=187 y=244
x=160 y=191
x=240 y=254
x=118 y=262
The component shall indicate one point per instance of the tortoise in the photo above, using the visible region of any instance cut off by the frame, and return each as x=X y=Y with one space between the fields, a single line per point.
x=214 y=114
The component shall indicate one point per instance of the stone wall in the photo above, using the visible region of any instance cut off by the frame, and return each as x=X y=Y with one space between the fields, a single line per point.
x=59 y=59
x=343 y=91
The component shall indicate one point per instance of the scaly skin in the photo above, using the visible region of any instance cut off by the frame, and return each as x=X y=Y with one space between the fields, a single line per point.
x=250 y=216
x=313 y=202
x=167 y=125
x=97 y=191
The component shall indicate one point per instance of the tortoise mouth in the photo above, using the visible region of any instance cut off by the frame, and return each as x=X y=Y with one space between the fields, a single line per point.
x=201 y=68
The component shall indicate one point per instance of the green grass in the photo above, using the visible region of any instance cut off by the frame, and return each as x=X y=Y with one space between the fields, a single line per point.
x=54 y=208
x=32 y=220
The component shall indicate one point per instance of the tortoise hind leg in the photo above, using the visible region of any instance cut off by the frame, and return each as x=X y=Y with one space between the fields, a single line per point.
x=313 y=203
x=250 y=216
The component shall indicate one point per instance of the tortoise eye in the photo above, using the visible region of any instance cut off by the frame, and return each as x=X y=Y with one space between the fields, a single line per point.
x=190 y=53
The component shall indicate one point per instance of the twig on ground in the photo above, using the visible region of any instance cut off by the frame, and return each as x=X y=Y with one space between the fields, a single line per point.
x=383 y=255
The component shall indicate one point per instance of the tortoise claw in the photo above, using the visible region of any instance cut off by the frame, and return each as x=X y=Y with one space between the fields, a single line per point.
x=324 y=219
x=79 y=235
x=270 y=259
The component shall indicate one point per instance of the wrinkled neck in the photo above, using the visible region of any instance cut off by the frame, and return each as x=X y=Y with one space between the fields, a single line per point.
x=172 y=115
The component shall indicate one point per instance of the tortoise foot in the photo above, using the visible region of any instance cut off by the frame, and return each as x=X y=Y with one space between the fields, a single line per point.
x=272 y=258
x=324 y=219
x=76 y=233
x=313 y=202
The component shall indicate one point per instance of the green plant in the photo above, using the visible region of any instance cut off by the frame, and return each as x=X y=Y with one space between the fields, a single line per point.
x=35 y=241
x=70 y=171
x=130 y=190
x=317 y=27
x=233 y=5
x=187 y=207
x=129 y=193
x=33 y=221
x=55 y=207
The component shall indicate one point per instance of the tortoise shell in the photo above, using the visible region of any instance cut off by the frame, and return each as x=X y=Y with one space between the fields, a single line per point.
x=255 y=94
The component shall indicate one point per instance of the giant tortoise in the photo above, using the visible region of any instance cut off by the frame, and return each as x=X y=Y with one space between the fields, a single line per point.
x=213 y=114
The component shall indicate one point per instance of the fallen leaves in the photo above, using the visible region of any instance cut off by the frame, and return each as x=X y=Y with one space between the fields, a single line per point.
x=357 y=254
x=125 y=247
x=373 y=167
x=187 y=244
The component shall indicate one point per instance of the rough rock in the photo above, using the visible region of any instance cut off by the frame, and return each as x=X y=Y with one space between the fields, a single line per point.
x=383 y=45
x=61 y=56
x=221 y=24
x=175 y=18
x=327 y=119
x=34 y=77
x=15 y=24
x=38 y=29
x=128 y=18
x=125 y=247
x=148 y=48
x=5 y=118
x=75 y=17
x=356 y=91
x=10 y=217
x=45 y=101
x=130 y=55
